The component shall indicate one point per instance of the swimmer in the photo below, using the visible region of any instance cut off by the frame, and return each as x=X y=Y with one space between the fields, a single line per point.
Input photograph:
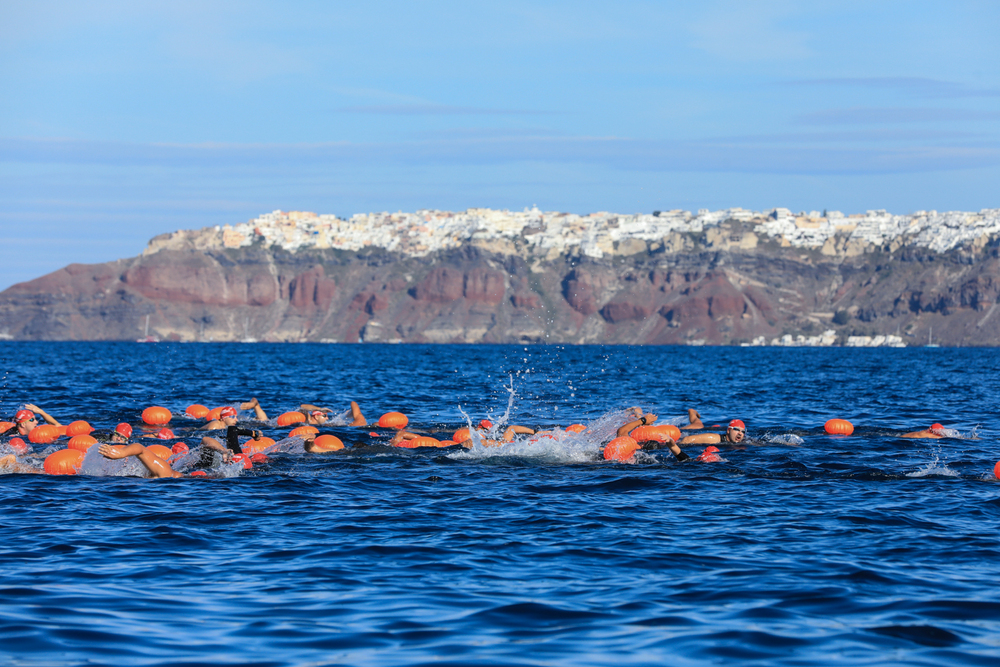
x=156 y=466
x=225 y=413
x=9 y=463
x=315 y=415
x=935 y=432
x=652 y=445
x=233 y=432
x=120 y=436
x=25 y=420
x=508 y=435
x=735 y=433
x=694 y=421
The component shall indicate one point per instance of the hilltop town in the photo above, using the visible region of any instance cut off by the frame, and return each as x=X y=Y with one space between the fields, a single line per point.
x=551 y=234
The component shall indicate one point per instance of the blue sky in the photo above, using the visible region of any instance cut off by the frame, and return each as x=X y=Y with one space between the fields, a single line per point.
x=123 y=120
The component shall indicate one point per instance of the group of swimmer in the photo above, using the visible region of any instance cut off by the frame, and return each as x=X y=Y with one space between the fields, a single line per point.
x=638 y=432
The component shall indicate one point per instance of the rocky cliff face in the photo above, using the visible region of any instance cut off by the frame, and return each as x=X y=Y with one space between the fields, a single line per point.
x=725 y=286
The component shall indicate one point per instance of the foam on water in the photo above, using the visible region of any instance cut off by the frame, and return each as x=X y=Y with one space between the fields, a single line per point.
x=935 y=468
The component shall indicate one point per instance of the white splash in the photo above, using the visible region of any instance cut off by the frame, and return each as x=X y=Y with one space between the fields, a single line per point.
x=934 y=469
x=783 y=439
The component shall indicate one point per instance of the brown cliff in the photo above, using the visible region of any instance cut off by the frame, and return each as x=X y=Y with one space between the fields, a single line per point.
x=722 y=287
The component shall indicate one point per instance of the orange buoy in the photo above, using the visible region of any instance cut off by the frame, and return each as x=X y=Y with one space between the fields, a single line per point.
x=63 y=462
x=620 y=449
x=302 y=430
x=461 y=435
x=576 y=428
x=156 y=416
x=839 y=427
x=289 y=418
x=422 y=441
x=255 y=446
x=160 y=450
x=996 y=468
x=327 y=443
x=447 y=443
x=395 y=420
x=196 y=410
x=259 y=458
x=179 y=448
x=214 y=414
x=44 y=434
x=81 y=443
x=244 y=459
x=78 y=427
x=18 y=445
x=6 y=426
x=199 y=473
x=673 y=431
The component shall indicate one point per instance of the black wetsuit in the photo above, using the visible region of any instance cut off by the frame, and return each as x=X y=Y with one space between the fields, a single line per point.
x=232 y=437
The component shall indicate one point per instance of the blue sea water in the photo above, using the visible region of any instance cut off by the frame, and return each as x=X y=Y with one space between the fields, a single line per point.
x=799 y=549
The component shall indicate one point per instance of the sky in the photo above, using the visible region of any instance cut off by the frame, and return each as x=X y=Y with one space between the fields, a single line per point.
x=120 y=121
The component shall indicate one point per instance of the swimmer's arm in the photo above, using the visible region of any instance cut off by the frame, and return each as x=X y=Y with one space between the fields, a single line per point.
x=120 y=452
x=45 y=415
x=632 y=425
x=257 y=409
x=214 y=425
x=357 y=419
x=212 y=443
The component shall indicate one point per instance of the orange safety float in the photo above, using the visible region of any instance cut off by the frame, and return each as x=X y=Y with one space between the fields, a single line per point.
x=44 y=435
x=81 y=443
x=19 y=446
x=199 y=473
x=461 y=435
x=395 y=420
x=576 y=428
x=156 y=415
x=196 y=410
x=244 y=459
x=6 y=426
x=256 y=446
x=289 y=418
x=422 y=441
x=839 y=427
x=214 y=414
x=161 y=451
x=79 y=427
x=302 y=430
x=447 y=443
x=621 y=448
x=996 y=469
x=327 y=443
x=63 y=462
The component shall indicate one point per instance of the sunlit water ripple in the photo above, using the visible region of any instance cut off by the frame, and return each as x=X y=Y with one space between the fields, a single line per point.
x=807 y=549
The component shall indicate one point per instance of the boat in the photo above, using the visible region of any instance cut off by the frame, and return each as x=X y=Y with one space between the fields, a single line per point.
x=146 y=338
x=930 y=339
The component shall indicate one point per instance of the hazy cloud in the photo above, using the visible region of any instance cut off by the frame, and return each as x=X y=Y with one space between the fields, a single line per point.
x=608 y=152
x=913 y=85
x=893 y=115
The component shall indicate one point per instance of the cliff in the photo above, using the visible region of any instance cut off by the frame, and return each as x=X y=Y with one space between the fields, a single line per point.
x=727 y=284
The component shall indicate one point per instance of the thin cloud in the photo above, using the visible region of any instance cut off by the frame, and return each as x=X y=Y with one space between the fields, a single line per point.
x=605 y=152
x=436 y=110
x=913 y=85
x=893 y=115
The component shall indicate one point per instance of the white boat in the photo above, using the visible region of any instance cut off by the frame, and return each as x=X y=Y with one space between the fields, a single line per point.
x=930 y=339
x=146 y=338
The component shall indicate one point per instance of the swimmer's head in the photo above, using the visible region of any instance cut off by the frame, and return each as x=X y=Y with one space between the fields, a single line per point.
x=737 y=430
x=24 y=416
x=228 y=415
x=937 y=429
x=318 y=416
x=485 y=424
x=122 y=433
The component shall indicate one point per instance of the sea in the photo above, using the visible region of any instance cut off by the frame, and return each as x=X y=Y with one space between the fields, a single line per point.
x=797 y=548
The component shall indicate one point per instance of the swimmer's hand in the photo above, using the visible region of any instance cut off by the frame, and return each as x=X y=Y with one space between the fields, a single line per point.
x=110 y=452
x=257 y=435
x=648 y=418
